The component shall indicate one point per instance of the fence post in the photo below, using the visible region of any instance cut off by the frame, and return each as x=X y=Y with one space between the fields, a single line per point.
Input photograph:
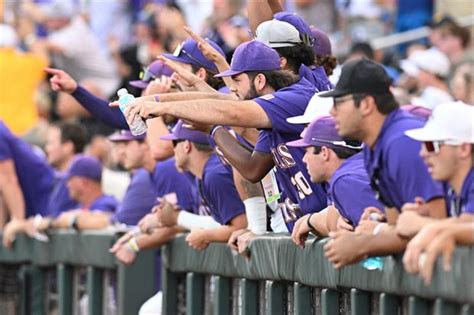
x=330 y=301
x=169 y=287
x=65 y=289
x=275 y=297
x=194 y=294
x=442 y=307
x=418 y=306
x=302 y=294
x=222 y=295
x=250 y=296
x=95 y=289
x=389 y=304
x=360 y=302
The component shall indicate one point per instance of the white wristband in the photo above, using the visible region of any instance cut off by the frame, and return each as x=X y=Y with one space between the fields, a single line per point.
x=193 y=221
x=379 y=228
x=256 y=211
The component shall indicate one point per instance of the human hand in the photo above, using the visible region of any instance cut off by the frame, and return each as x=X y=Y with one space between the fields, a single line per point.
x=61 y=81
x=125 y=255
x=443 y=244
x=417 y=245
x=197 y=239
x=167 y=213
x=301 y=231
x=159 y=85
x=409 y=223
x=343 y=224
x=121 y=241
x=149 y=222
x=207 y=50
x=10 y=231
x=374 y=214
x=345 y=248
x=243 y=242
x=233 y=239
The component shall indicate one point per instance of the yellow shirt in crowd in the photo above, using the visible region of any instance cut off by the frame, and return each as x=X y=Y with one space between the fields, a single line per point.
x=20 y=75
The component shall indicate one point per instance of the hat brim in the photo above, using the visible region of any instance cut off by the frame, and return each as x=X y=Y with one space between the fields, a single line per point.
x=425 y=134
x=182 y=58
x=169 y=137
x=228 y=73
x=409 y=68
x=336 y=93
x=298 y=143
x=302 y=119
x=139 y=84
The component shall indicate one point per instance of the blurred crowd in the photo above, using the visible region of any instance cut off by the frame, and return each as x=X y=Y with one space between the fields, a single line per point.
x=238 y=118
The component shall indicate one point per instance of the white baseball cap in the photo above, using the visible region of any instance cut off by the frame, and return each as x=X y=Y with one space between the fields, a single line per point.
x=317 y=107
x=277 y=34
x=430 y=60
x=452 y=121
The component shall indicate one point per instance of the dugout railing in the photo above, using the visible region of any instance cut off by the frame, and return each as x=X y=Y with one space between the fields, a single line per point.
x=278 y=278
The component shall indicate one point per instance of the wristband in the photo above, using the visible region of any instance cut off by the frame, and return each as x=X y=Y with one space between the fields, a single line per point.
x=214 y=129
x=37 y=220
x=378 y=228
x=133 y=245
x=311 y=227
x=156 y=97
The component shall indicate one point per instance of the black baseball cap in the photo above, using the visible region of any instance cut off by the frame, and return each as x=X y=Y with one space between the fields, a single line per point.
x=361 y=76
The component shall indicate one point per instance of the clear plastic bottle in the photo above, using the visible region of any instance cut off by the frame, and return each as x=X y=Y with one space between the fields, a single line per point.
x=138 y=126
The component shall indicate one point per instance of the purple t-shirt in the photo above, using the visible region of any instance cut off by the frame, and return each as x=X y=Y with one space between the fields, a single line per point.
x=167 y=180
x=35 y=176
x=464 y=203
x=350 y=191
x=138 y=200
x=60 y=200
x=396 y=170
x=292 y=176
x=103 y=203
x=218 y=191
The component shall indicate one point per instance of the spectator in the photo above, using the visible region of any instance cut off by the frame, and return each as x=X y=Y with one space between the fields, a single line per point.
x=27 y=69
x=430 y=68
x=84 y=59
x=461 y=84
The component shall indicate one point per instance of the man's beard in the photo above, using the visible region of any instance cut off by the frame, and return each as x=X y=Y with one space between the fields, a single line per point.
x=252 y=93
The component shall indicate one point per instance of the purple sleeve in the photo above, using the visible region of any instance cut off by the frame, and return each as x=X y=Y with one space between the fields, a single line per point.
x=408 y=170
x=351 y=196
x=469 y=206
x=100 y=109
x=278 y=109
x=5 y=150
x=263 y=142
x=105 y=203
x=224 y=196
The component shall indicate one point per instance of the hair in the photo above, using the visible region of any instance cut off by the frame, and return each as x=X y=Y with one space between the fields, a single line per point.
x=362 y=48
x=297 y=55
x=73 y=132
x=277 y=79
x=215 y=83
x=458 y=31
x=386 y=102
x=341 y=152
x=203 y=147
x=328 y=62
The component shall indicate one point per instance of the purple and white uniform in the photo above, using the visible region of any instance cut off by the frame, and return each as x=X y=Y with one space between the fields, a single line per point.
x=302 y=196
x=464 y=202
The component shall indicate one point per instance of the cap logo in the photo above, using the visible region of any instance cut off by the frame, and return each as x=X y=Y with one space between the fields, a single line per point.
x=178 y=49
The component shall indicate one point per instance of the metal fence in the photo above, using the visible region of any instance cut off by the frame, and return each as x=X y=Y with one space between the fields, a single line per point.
x=278 y=278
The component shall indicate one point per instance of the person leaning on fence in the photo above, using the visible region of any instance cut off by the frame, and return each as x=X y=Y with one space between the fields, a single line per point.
x=336 y=162
x=215 y=185
x=365 y=110
x=448 y=150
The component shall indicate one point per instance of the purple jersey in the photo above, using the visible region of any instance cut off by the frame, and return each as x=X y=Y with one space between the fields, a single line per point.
x=464 y=203
x=350 y=191
x=35 y=176
x=139 y=198
x=60 y=200
x=317 y=76
x=396 y=171
x=292 y=176
x=105 y=203
x=218 y=191
x=166 y=180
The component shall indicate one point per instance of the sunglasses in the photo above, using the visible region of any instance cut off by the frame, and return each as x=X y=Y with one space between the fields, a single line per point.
x=180 y=50
x=435 y=146
x=146 y=75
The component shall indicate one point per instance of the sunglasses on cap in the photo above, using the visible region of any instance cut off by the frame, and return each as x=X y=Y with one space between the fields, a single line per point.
x=435 y=146
x=343 y=144
x=180 y=50
x=146 y=75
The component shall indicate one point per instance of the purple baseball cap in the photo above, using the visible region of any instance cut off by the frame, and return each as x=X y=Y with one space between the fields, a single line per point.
x=322 y=44
x=125 y=135
x=189 y=53
x=418 y=111
x=299 y=23
x=322 y=132
x=85 y=166
x=155 y=70
x=252 y=56
x=180 y=132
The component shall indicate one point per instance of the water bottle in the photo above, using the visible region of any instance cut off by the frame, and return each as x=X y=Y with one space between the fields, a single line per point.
x=372 y=263
x=137 y=126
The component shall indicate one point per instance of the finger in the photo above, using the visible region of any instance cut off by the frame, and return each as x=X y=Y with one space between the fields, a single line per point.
x=114 y=104
x=447 y=257
x=53 y=71
x=426 y=267
x=193 y=35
